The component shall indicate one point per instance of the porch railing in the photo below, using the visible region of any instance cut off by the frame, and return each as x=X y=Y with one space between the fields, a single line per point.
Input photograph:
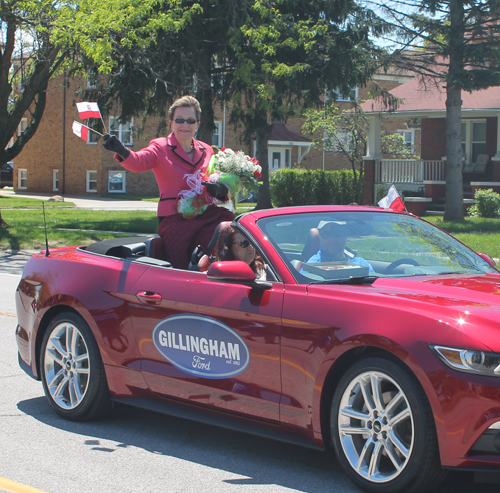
x=408 y=171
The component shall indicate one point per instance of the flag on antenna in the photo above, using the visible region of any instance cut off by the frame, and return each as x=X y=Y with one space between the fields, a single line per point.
x=392 y=201
x=88 y=110
x=80 y=130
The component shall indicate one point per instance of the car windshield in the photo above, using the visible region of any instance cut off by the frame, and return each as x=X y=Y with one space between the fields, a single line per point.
x=341 y=246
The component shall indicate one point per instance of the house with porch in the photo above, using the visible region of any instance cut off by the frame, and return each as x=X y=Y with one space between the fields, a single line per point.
x=424 y=108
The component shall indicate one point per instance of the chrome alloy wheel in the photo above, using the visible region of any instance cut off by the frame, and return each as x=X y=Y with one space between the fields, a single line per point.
x=66 y=366
x=376 y=427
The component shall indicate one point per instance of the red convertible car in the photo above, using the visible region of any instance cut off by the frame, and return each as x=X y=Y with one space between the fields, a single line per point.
x=389 y=352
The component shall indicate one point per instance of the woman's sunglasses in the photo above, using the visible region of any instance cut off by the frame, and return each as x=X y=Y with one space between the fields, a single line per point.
x=189 y=121
x=243 y=243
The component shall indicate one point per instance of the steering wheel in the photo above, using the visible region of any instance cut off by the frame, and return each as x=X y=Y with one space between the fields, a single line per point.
x=399 y=262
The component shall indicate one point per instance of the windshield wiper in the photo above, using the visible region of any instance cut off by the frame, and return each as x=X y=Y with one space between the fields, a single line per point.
x=349 y=280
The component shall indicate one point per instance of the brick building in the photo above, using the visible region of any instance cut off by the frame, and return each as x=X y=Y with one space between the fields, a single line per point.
x=57 y=161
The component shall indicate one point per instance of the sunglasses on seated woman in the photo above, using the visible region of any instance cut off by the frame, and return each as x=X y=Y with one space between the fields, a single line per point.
x=189 y=121
x=243 y=243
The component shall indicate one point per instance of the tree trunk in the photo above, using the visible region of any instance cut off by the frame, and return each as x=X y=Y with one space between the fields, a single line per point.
x=454 y=208
x=264 y=197
x=204 y=96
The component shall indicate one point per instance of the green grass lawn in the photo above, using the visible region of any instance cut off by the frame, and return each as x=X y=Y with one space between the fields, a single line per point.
x=69 y=226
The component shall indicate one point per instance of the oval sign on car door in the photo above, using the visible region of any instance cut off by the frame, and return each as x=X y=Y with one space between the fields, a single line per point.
x=201 y=346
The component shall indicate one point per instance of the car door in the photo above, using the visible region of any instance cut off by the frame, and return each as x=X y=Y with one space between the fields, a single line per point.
x=210 y=343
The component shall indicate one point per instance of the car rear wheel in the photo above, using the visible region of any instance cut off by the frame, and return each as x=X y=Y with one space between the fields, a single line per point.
x=383 y=431
x=72 y=370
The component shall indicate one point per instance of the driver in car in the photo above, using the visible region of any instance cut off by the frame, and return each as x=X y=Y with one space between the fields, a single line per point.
x=332 y=240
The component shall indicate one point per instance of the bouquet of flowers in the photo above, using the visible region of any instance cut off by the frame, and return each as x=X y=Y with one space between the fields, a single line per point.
x=237 y=171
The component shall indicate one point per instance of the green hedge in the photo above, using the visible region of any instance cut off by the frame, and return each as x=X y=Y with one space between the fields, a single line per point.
x=313 y=187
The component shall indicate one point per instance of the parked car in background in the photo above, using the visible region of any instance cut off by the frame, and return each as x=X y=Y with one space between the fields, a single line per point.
x=389 y=352
x=7 y=173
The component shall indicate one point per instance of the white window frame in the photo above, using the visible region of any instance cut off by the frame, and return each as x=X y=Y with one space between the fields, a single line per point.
x=55 y=180
x=90 y=138
x=217 y=134
x=22 y=176
x=468 y=144
x=335 y=95
x=124 y=188
x=119 y=130
x=408 y=133
x=342 y=136
x=88 y=180
x=23 y=124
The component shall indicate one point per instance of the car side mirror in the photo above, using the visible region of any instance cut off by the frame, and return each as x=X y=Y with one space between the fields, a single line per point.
x=488 y=259
x=236 y=272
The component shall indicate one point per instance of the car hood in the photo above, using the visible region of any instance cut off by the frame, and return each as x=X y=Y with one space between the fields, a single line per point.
x=468 y=304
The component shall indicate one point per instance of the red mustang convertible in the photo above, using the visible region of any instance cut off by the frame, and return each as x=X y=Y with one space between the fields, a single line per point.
x=373 y=332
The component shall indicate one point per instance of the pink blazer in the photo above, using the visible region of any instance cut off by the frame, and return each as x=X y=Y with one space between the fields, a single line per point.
x=170 y=165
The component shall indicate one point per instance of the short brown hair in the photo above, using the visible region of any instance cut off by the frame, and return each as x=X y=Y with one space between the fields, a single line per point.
x=185 y=102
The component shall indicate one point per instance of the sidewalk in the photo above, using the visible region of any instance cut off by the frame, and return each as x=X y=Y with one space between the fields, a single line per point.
x=95 y=203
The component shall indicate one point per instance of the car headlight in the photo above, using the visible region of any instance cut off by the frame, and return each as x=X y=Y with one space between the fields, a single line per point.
x=469 y=361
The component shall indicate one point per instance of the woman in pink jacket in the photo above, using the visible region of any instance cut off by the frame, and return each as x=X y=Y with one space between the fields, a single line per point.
x=176 y=161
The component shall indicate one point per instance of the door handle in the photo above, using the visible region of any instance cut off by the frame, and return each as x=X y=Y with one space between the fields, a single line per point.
x=149 y=297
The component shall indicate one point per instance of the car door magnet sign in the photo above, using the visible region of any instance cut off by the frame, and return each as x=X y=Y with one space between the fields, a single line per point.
x=201 y=346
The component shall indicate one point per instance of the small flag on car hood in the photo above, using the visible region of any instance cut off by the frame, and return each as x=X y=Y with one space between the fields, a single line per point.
x=392 y=201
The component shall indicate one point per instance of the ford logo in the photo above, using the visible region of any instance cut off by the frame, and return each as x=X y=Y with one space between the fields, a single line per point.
x=201 y=346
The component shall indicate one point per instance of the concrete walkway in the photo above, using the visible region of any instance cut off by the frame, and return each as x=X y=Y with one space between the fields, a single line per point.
x=96 y=203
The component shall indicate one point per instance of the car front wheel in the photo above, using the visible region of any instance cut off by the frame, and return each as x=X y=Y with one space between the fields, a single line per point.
x=382 y=429
x=72 y=371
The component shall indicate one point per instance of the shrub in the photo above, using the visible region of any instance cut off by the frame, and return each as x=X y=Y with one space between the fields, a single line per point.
x=312 y=187
x=487 y=204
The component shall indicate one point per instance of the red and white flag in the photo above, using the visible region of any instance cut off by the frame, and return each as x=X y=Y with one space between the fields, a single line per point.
x=392 y=201
x=81 y=130
x=88 y=110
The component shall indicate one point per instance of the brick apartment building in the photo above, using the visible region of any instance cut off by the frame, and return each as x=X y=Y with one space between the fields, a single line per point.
x=57 y=161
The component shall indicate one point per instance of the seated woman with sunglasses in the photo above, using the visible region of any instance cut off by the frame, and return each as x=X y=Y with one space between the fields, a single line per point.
x=332 y=240
x=174 y=160
x=232 y=245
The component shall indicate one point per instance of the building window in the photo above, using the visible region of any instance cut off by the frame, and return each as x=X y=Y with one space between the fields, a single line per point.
x=276 y=160
x=22 y=178
x=287 y=158
x=116 y=182
x=123 y=131
x=91 y=181
x=337 y=95
x=55 y=180
x=473 y=139
x=217 y=135
x=340 y=142
x=22 y=126
x=92 y=138
x=409 y=138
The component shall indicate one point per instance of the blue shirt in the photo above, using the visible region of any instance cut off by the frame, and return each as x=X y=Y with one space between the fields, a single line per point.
x=323 y=256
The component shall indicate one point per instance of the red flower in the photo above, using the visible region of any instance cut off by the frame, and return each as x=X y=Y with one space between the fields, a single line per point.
x=257 y=174
x=223 y=149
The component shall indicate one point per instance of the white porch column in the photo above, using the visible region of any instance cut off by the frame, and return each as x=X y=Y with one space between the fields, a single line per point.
x=496 y=157
x=373 y=147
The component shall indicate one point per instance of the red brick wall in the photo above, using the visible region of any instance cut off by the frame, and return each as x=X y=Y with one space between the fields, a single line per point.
x=433 y=135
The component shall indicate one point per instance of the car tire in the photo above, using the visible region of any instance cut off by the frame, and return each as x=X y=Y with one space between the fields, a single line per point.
x=383 y=431
x=72 y=371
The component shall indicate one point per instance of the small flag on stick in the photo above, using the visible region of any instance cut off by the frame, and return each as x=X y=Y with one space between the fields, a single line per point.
x=392 y=201
x=88 y=110
x=80 y=130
